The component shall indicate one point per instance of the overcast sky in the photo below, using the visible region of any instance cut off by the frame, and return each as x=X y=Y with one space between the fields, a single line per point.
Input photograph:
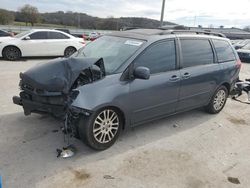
x=187 y=12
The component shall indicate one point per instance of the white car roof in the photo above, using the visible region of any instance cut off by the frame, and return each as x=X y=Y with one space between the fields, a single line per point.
x=53 y=30
x=45 y=30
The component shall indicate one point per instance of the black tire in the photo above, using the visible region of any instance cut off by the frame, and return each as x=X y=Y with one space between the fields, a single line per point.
x=218 y=100
x=87 y=125
x=69 y=51
x=11 y=53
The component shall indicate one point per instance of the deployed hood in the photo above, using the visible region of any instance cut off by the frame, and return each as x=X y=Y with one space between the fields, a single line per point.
x=59 y=74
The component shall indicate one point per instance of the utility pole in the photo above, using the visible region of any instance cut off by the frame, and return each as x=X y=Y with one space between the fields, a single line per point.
x=162 y=11
x=79 y=20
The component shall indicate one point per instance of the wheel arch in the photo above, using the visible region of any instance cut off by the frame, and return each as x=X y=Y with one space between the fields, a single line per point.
x=227 y=85
x=70 y=47
x=11 y=45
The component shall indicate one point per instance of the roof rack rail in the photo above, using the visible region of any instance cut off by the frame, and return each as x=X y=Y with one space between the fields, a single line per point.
x=195 y=32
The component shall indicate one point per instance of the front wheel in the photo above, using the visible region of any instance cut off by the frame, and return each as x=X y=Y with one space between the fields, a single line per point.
x=101 y=129
x=11 y=53
x=218 y=100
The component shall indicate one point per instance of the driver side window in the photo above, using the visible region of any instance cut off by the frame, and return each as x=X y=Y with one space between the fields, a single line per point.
x=38 y=35
x=160 y=57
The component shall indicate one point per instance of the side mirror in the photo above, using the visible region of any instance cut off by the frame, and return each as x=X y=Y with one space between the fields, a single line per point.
x=142 y=73
x=26 y=38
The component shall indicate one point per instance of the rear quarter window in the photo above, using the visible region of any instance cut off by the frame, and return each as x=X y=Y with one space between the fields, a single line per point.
x=57 y=35
x=224 y=51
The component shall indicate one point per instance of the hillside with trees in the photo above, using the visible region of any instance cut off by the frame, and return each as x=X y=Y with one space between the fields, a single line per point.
x=30 y=15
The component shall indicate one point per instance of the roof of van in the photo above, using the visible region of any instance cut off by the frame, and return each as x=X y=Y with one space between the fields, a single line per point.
x=145 y=34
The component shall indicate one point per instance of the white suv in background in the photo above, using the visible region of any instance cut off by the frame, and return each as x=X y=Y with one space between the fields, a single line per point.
x=39 y=42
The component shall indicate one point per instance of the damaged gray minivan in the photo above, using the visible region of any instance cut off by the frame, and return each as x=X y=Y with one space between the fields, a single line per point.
x=128 y=78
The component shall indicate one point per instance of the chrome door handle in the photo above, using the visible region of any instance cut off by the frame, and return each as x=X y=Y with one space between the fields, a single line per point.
x=186 y=75
x=174 y=78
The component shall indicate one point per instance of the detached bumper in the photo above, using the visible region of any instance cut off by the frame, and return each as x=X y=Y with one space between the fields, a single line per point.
x=41 y=108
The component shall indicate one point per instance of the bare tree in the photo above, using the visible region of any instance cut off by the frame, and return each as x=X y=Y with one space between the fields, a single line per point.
x=6 y=17
x=30 y=14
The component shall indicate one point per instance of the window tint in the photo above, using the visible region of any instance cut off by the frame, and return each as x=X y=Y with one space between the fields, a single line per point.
x=56 y=35
x=38 y=35
x=224 y=51
x=196 y=52
x=2 y=33
x=158 y=58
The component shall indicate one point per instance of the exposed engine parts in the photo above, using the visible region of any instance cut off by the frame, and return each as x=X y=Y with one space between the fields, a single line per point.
x=52 y=87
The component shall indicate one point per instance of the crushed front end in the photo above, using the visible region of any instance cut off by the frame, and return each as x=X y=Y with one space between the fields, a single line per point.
x=52 y=87
x=40 y=102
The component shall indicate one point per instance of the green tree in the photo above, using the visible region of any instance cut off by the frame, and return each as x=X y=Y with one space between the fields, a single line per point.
x=30 y=14
x=6 y=17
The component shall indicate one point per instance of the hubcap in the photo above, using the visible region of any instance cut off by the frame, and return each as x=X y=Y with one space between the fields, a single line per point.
x=69 y=52
x=12 y=53
x=219 y=99
x=106 y=126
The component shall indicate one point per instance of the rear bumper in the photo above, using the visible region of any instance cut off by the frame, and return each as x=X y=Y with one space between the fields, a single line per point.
x=41 y=108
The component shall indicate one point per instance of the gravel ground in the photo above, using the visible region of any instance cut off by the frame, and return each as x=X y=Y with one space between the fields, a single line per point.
x=192 y=149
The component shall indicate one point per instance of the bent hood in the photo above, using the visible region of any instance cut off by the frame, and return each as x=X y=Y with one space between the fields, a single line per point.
x=58 y=75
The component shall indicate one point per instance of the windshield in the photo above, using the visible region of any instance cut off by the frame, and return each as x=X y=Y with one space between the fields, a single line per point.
x=21 y=34
x=114 y=51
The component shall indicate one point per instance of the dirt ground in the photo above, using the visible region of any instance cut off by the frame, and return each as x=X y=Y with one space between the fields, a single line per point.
x=189 y=150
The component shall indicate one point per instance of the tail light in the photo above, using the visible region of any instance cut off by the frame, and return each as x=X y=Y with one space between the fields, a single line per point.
x=238 y=63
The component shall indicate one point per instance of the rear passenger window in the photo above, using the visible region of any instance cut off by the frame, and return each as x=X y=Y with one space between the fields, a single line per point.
x=224 y=51
x=196 y=52
x=158 y=58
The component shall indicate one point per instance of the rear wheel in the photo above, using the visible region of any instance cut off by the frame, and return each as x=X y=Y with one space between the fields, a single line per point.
x=101 y=129
x=11 y=53
x=69 y=51
x=218 y=100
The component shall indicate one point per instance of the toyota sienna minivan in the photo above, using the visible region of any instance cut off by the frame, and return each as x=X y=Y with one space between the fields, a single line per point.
x=127 y=78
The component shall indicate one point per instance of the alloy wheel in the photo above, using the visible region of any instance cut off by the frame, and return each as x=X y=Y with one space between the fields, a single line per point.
x=106 y=126
x=12 y=53
x=219 y=100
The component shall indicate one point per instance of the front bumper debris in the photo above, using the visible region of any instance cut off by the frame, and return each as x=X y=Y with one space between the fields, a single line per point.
x=30 y=106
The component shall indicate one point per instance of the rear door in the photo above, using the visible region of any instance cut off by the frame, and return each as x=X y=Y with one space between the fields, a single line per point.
x=57 y=42
x=158 y=95
x=199 y=73
x=36 y=45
